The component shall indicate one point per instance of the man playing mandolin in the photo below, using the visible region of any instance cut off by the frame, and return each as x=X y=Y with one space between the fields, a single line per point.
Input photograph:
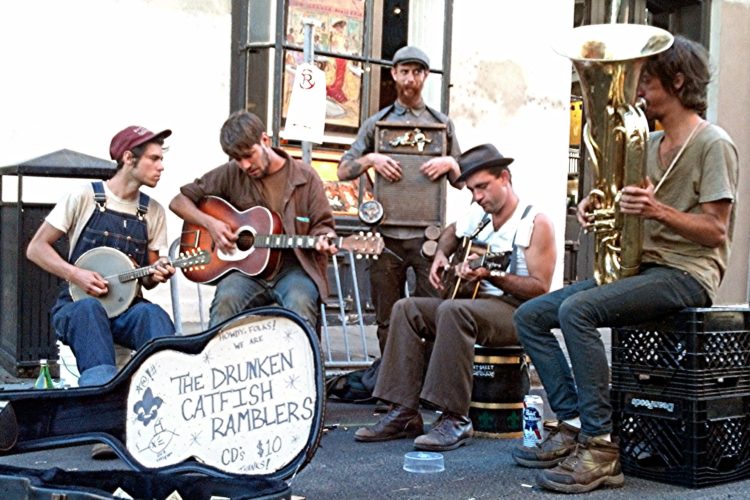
x=259 y=176
x=450 y=328
x=117 y=215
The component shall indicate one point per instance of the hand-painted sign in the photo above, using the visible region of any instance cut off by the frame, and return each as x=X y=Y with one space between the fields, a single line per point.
x=244 y=404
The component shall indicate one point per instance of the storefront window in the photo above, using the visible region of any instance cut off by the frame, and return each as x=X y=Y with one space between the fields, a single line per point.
x=354 y=41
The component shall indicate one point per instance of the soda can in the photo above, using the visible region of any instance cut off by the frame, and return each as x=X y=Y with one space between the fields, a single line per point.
x=533 y=420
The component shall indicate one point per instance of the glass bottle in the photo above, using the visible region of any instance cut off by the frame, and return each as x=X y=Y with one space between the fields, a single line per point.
x=44 y=380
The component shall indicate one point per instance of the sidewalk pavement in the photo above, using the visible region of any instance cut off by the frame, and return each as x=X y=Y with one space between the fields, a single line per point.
x=343 y=469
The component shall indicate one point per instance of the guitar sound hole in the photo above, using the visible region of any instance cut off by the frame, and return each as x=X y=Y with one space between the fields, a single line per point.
x=245 y=240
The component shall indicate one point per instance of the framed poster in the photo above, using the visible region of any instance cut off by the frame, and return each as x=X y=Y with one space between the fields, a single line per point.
x=339 y=30
x=342 y=195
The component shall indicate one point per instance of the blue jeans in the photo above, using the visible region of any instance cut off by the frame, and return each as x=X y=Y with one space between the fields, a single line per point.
x=292 y=289
x=91 y=335
x=578 y=310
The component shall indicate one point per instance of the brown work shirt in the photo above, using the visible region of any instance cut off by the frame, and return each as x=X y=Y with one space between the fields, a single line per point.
x=306 y=210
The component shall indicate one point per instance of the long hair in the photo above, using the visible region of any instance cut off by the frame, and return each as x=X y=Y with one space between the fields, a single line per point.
x=690 y=59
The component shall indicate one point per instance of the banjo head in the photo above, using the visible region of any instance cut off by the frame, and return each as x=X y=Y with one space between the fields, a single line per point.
x=109 y=263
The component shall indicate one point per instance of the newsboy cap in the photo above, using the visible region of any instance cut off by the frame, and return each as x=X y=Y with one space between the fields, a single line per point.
x=130 y=137
x=411 y=54
x=479 y=158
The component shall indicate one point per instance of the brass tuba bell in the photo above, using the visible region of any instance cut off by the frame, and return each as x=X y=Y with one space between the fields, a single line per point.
x=608 y=60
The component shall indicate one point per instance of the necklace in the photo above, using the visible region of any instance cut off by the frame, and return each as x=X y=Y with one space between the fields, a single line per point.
x=679 y=153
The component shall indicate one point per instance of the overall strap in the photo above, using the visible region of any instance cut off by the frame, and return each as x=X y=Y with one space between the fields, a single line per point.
x=143 y=200
x=513 y=257
x=99 y=197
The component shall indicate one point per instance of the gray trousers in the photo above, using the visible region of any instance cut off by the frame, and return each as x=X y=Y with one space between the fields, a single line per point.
x=430 y=349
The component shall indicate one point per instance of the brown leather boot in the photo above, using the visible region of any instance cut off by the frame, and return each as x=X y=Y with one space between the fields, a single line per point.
x=449 y=432
x=560 y=442
x=399 y=422
x=591 y=465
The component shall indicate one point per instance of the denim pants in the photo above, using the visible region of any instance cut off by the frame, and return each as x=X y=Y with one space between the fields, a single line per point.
x=292 y=289
x=578 y=310
x=91 y=335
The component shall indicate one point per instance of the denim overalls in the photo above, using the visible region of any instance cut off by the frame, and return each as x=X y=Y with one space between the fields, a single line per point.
x=84 y=325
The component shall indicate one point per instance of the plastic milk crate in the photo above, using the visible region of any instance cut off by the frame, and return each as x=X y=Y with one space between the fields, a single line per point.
x=698 y=352
x=677 y=440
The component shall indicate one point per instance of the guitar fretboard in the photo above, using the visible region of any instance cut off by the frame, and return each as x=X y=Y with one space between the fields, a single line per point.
x=287 y=241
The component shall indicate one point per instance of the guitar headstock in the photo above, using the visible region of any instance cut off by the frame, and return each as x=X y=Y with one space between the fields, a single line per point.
x=363 y=244
x=192 y=258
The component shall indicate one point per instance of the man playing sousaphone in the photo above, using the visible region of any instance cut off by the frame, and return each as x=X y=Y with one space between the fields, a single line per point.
x=450 y=327
x=687 y=207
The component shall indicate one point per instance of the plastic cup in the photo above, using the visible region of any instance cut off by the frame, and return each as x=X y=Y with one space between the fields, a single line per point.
x=423 y=462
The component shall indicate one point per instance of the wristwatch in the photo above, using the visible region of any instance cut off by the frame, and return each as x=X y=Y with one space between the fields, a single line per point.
x=498 y=274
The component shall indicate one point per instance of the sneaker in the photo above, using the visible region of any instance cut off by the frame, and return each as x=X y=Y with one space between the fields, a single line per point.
x=448 y=433
x=591 y=465
x=560 y=442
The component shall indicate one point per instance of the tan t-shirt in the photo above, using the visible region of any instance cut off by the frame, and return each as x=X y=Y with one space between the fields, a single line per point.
x=73 y=211
x=707 y=171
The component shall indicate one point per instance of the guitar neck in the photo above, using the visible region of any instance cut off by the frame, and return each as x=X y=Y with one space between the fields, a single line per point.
x=282 y=241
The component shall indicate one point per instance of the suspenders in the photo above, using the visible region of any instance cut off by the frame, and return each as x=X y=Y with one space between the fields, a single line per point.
x=101 y=199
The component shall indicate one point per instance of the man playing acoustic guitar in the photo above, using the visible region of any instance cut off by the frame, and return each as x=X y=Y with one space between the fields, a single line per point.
x=260 y=177
x=450 y=328
x=114 y=214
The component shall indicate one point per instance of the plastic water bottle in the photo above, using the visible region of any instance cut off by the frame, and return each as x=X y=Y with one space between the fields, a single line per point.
x=533 y=420
x=44 y=380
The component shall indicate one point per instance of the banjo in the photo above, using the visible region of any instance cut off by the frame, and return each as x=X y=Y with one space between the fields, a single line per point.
x=122 y=275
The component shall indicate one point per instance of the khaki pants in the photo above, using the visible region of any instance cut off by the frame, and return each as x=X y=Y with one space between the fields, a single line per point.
x=430 y=349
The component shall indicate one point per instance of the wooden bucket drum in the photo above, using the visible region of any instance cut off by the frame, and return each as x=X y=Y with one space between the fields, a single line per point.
x=501 y=380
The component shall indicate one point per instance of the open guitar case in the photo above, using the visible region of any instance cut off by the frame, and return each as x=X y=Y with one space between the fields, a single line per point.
x=233 y=412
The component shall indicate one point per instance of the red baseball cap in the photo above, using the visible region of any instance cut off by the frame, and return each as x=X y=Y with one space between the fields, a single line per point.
x=131 y=137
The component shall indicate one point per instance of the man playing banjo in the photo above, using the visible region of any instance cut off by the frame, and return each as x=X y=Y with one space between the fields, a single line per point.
x=114 y=214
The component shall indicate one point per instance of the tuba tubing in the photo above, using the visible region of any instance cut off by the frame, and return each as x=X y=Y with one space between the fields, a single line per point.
x=608 y=59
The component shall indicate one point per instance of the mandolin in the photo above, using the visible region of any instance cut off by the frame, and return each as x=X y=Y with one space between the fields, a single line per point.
x=259 y=239
x=122 y=275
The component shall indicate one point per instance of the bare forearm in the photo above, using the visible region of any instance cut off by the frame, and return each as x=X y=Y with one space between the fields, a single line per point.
x=188 y=211
x=448 y=241
x=706 y=229
x=523 y=287
x=351 y=169
x=46 y=257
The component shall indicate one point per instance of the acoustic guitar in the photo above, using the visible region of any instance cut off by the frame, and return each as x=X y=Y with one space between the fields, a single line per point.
x=456 y=288
x=122 y=275
x=259 y=239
